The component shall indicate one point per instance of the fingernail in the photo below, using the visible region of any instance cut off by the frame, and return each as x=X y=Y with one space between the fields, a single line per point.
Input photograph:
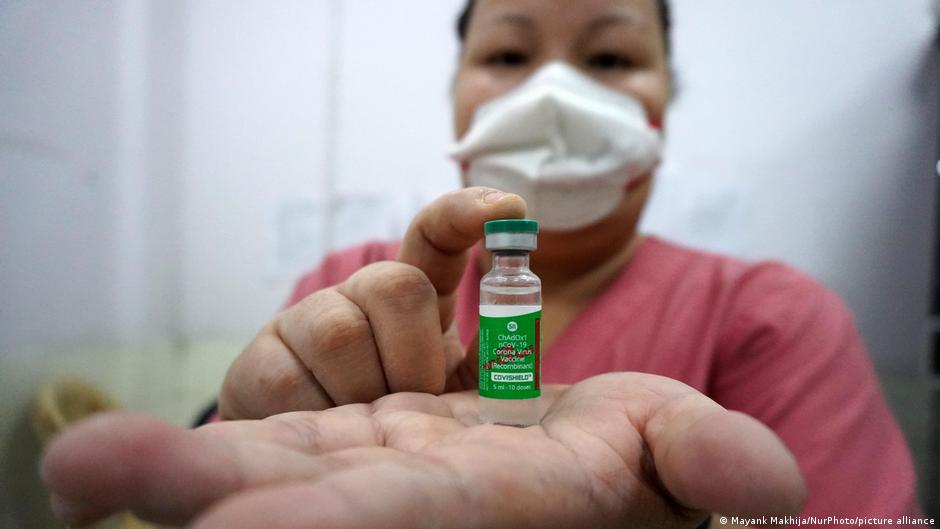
x=494 y=196
x=66 y=511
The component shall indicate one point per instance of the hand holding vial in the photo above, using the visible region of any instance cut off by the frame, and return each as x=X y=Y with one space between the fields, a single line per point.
x=388 y=328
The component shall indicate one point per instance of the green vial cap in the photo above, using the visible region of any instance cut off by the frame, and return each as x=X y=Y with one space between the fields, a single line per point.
x=511 y=234
x=511 y=226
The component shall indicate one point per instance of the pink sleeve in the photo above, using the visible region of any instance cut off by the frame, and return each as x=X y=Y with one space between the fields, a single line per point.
x=336 y=267
x=793 y=359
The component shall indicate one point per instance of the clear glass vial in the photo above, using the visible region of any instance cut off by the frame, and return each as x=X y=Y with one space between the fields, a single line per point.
x=510 y=327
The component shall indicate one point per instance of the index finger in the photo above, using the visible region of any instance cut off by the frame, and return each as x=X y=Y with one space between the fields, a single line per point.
x=440 y=235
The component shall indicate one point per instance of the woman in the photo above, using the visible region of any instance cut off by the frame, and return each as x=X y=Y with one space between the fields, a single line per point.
x=615 y=449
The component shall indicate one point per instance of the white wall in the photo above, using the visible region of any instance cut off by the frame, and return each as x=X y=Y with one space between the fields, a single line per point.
x=254 y=124
x=88 y=166
x=309 y=125
x=57 y=136
x=233 y=142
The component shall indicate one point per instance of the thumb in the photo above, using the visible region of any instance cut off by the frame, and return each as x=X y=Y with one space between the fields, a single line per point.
x=723 y=461
x=440 y=235
x=704 y=457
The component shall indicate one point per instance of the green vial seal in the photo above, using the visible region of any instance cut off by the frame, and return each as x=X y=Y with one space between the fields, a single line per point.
x=512 y=234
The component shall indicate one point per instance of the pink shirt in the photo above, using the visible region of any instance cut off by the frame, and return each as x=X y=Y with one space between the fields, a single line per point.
x=760 y=338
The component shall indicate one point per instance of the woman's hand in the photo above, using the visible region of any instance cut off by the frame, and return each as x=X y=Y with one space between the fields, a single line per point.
x=388 y=328
x=617 y=450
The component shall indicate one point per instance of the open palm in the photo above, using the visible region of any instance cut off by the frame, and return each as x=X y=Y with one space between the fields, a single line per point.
x=616 y=450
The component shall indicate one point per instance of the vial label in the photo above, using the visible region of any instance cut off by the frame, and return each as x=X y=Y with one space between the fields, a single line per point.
x=509 y=351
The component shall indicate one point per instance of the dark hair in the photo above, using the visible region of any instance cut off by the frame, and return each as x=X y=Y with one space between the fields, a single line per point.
x=463 y=22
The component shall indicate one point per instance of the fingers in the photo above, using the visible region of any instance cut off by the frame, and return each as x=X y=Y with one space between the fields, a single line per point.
x=165 y=474
x=377 y=332
x=400 y=304
x=268 y=378
x=334 y=339
x=437 y=239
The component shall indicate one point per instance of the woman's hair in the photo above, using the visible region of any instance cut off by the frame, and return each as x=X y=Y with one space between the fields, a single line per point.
x=463 y=22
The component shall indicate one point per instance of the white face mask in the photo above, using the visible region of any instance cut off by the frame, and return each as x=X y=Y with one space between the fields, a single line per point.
x=564 y=142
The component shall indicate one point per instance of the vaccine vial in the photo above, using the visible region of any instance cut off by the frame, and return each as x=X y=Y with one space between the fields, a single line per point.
x=510 y=316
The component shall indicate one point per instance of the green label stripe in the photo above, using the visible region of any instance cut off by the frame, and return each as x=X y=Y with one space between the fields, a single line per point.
x=510 y=361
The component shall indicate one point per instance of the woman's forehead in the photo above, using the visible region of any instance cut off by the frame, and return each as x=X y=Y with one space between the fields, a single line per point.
x=547 y=8
x=567 y=12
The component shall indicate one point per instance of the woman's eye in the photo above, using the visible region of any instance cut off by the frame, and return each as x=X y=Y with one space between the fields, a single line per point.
x=508 y=58
x=609 y=61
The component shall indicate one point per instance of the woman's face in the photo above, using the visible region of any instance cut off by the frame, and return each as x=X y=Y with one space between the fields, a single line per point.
x=617 y=42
